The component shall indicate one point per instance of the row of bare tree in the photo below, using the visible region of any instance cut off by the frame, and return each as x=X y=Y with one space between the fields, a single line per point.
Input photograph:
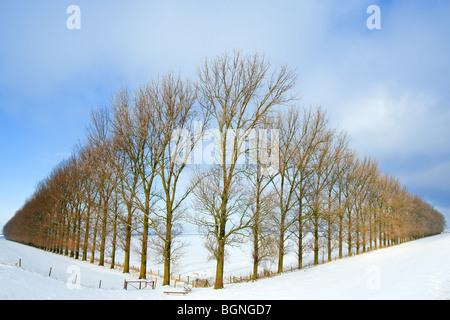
x=281 y=175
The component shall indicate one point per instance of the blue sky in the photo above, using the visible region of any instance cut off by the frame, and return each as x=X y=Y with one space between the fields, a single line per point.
x=387 y=88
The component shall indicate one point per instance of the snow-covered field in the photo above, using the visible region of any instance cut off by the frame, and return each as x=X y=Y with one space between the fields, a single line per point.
x=415 y=270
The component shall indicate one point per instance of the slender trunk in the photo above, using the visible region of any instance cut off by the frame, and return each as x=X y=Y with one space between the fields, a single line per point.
x=282 y=227
x=380 y=235
x=316 y=237
x=143 y=269
x=375 y=230
x=255 y=252
x=167 y=246
x=53 y=233
x=329 y=221
x=349 y=233
x=363 y=236
x=126 y=264
x=370 y=233
x=300 y=241
x=300 y=233
x=72 y=237
x=86 y=232
x=220 y=264
x=114 y=239
x=340 y=233
x=255 y=230
x=78 y=237
x=147 y=184
x=357 y=234
x=94 y=241
x=62 y=233
x=329 y=240
x=103 y=234
x=66 y=235
x=281 y=247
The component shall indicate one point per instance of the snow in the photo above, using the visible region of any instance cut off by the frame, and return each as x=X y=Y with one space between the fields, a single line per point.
x=416 y=270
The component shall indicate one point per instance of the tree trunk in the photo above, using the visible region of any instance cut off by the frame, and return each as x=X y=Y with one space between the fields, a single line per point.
x=127 y=249
x=300 y=232
x=167 y=250
x=281 y=249
x=103 y=235
x=143 y=269
x=220 y=264
x=349 y=235
x=316 y=238
x=300 y=242
x=340 y=235
x=78 y=237
x=94 y=241
x=256 y=258
x=255 y=254
x=329 y=241
x=114 y=239
x=86 y=232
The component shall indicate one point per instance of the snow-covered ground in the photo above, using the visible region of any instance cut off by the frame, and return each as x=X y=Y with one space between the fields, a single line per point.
x=415 y=270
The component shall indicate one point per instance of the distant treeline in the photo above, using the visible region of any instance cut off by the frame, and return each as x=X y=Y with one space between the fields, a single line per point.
x=281 y=177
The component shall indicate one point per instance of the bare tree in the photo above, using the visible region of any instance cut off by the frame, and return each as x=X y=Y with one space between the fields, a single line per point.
x=99 y=135
x=287 y=180
x=318 y=181
x=368 y=172
x=174 y=112
x=208 y=205
x=342 y=168
x=261 y=199
x=236 y=91
x=312 y=133
x=332 y=215
x=89 y=194
x=141 y=147
x=129 y=145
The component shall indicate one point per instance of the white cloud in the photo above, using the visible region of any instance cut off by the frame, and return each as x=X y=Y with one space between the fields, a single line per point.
x=397 y=123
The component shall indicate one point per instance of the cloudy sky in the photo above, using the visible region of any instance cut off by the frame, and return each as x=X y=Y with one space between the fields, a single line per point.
x=388 y=88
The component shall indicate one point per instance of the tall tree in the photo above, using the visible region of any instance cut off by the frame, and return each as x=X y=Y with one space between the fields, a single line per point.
x=129 y=145
x=313 y=130
x=174 y=114
x=286 y=183
x=261 y=197
x=144 y=148
x=99 y=135
x=323 y=160
x=236 y=91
